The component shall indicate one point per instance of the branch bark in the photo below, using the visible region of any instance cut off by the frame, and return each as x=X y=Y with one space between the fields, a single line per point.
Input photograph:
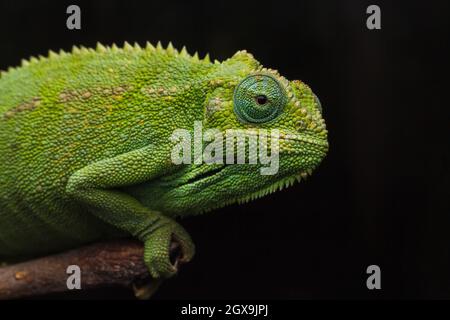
x=115 y=263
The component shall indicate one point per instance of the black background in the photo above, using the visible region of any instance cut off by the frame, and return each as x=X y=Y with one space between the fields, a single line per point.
x=382 y=194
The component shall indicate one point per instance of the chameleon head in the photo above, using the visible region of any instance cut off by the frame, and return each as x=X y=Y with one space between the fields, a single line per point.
x=271 y=127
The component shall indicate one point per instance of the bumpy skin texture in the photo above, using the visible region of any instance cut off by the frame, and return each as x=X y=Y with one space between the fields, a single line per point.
x=85 y=146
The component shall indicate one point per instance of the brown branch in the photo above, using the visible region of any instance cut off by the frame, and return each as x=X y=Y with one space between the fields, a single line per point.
x=116 y=263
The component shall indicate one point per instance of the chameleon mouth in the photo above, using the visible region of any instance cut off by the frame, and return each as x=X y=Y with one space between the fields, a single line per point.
x=204 y=176
x=298 y=138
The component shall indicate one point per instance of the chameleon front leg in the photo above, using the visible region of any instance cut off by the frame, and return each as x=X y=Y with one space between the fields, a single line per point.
x=96 y=186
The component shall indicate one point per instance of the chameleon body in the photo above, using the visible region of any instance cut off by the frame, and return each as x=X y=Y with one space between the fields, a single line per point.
x=85 y=145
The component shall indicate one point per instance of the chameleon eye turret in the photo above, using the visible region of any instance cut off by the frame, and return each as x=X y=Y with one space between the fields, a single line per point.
x=259 y=99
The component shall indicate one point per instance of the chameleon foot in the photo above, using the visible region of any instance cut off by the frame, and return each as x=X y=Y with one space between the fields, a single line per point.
x=166 y=249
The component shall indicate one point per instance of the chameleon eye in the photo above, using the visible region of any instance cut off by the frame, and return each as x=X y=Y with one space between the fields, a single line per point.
x=258 y=99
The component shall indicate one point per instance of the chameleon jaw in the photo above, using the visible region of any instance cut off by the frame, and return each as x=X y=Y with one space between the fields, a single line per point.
x=276 y=186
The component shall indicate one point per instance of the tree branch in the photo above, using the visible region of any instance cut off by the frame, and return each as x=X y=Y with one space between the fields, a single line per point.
x=115 y=263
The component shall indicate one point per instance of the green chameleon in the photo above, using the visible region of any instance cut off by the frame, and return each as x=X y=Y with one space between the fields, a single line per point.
x=86 y=149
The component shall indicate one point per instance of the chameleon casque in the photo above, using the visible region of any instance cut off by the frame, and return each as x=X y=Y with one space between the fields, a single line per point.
x=85 y=149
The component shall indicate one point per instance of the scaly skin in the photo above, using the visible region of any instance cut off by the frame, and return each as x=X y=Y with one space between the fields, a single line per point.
x=85 y=146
